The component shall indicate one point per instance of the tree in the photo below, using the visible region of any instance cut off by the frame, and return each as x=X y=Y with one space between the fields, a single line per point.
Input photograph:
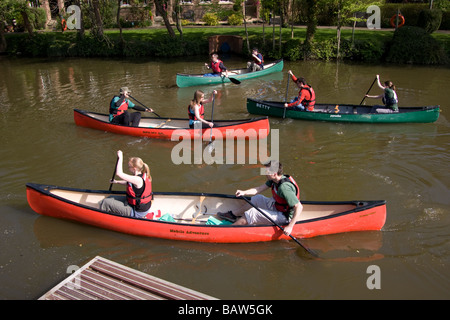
x=345 y=10
x=97 y=24
x=6 y=9
x=177 y=16
x=48 y=15
x=118 y=22
x=24 y=9
x=161 y=8
x=311 y=18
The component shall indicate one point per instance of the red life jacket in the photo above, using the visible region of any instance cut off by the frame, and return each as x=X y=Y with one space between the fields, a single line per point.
x=121 y=109
x=191 y=113
x=281 y=203
x=145 y=197
x=215 y=66
x=308 y=103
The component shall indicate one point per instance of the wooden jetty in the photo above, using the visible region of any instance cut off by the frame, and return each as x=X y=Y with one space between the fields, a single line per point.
x=102 y=279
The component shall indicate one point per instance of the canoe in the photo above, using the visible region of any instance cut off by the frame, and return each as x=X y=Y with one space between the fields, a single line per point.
x=189 y=80
x=166 y=128
x=318 y=218
x=345 y=112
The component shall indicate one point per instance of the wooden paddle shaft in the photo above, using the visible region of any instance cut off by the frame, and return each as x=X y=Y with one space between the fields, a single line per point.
x=199 y=209
x=280 y=227
x=368 y=91
x=144 y=105
x=114 y=174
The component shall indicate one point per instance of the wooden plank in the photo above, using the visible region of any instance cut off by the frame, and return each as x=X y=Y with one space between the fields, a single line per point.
x=115 y=285
x=72 y=293
x=147 y=282
x=102 y=279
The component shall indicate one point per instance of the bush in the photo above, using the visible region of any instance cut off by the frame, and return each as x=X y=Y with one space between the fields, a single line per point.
x=235 y=20
x=445 y=23
x=210 y=19
x=415 y=45
x=293 y=50
x=430 y=20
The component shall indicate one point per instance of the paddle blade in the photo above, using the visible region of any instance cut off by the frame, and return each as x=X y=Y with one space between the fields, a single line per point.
x=235 y=81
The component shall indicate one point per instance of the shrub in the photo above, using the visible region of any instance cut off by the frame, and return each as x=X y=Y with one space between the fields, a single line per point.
x=415 y=45
x=430 y=20
x=210 y=19
x=293 y=50
x=235 y=20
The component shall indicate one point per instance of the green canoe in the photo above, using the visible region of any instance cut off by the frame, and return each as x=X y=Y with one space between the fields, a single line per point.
x=345 y=112
x=189 y=80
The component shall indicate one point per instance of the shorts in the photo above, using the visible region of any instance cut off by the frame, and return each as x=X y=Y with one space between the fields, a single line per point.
x=267 y=205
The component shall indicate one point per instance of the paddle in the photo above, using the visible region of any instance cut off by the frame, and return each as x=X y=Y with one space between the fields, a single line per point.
x=114 y=174
x=234 y=80
x=281 y=228
x=212 y=115
x=287 y=90
x=143 y=105
x=200 y=209
x=368 y=91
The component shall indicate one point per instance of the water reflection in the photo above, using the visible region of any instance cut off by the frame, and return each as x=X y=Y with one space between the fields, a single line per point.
x=406 y=164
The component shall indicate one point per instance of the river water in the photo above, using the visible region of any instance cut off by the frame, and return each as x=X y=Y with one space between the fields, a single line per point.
x=405 y=164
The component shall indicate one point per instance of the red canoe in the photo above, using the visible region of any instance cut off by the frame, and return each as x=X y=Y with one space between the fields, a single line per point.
x=172 y=128
x=191 y=216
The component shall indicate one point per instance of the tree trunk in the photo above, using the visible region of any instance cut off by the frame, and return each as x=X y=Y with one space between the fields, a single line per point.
x=80 y=32
x=338 y=31
x=281 y=25
x=312 y=21
x=353 y=31
x=61 y=8
x=48 y=15
x=273 y=30
x=98 y=30
x=27 y=23
x=264 y=36
x=246 y=31
x=3 y=44
x=178 y=19
x=163 y=13
x=118 y=22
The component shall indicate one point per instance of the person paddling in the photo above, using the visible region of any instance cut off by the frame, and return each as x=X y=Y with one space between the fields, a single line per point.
x=196 y=110
x=217 y=67
x=257 y=62
x=306 y=96
x=284 y=207
x=389 y=97
x=139 y=195
x=118 y=109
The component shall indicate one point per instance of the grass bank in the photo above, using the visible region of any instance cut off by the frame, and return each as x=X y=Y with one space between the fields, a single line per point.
x=367 y=46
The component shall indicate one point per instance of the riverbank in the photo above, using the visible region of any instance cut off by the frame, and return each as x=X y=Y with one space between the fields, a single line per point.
x=364 y=45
